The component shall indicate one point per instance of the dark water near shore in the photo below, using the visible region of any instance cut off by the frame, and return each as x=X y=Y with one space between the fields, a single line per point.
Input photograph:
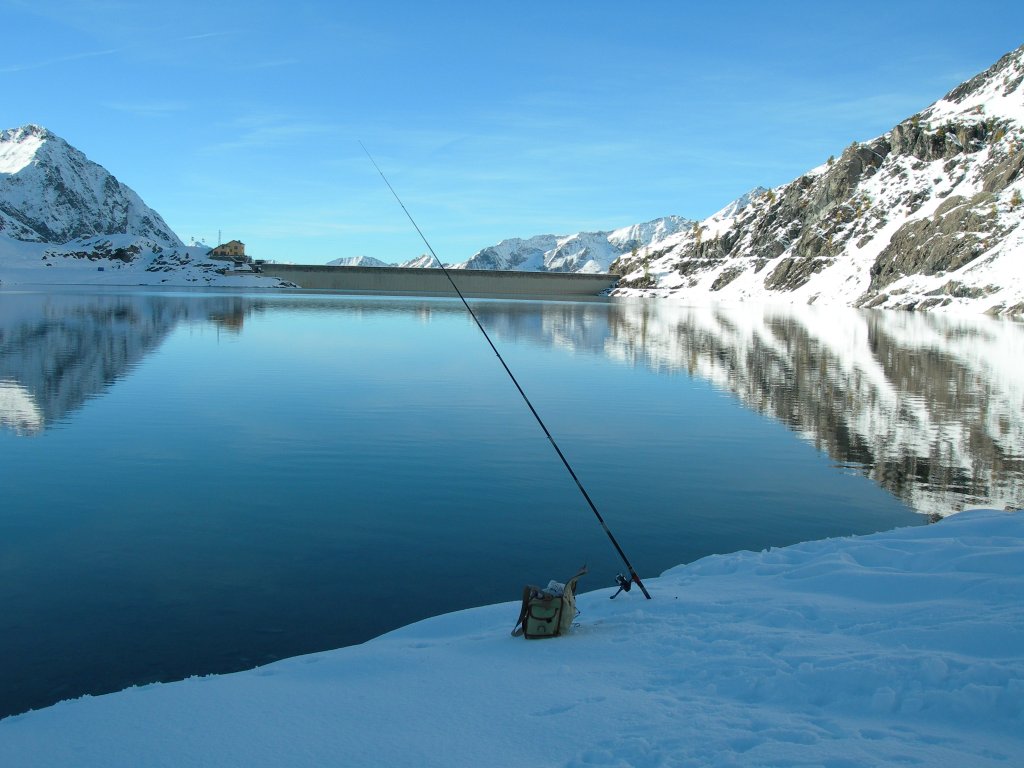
x=204 y=482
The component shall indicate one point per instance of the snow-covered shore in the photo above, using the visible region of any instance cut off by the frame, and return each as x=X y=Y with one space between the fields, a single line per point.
x=903 y=647
x=117 y=260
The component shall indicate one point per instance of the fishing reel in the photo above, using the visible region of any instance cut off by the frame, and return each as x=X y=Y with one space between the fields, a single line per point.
x=625 y=584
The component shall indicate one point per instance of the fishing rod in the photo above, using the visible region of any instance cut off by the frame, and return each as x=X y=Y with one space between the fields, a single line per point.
x=624 y=584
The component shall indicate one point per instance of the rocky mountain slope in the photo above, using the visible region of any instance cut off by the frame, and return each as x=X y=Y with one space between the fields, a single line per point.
x=52 y=193
x=928 y=216
x=65 y=219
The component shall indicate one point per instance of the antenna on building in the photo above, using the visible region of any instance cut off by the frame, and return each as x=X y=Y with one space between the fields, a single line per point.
x=219 y=241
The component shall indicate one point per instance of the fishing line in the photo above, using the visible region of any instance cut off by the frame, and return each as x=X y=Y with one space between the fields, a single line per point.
x=623 y=583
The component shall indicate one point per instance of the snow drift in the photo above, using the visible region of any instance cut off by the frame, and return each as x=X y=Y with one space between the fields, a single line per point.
x=895 y=648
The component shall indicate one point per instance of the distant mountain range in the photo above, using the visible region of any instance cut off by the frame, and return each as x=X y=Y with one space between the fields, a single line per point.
x=581 y=252
x=359 y=261
x=592 y=252
x=928 y=216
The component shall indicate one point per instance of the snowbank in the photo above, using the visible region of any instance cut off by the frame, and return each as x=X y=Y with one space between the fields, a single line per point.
x=118 y=260
x=900 y=647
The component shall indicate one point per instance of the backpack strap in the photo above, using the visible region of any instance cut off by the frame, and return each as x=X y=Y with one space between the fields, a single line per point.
x=570 y=585
x=520 y=626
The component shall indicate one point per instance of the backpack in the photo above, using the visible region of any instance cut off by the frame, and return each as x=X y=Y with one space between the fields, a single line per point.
x=548 y=612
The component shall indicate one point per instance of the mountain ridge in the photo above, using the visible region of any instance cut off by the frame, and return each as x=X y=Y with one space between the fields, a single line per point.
x=578 y=252
x=929 y=215
x=51 y=192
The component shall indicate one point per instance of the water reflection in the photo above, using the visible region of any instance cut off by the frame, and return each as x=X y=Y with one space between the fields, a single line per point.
x=58 y=350
x=928 y=406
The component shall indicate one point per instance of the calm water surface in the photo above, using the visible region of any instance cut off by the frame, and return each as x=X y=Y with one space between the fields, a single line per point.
x=204 y=482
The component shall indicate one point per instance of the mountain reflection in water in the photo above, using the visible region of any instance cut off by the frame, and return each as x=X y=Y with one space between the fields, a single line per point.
x=58 y=350
x=928 y=406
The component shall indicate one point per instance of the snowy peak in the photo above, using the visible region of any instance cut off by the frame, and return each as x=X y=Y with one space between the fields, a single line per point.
x=18 y=147
x=64 y=219
x=649 y=232
x=513 y=254
x=423 y=261
x=581 y=252
x=51 y=192
x=358 y=261
x=997 y=93
x=738 y=205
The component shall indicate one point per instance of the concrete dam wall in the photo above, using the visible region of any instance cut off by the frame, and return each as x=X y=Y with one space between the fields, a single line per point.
x=472 y=282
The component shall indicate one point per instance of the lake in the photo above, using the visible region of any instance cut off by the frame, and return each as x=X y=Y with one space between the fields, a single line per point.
x=202 y=482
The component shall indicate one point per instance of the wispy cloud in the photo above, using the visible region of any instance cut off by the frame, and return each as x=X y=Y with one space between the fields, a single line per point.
x=28 y=66
x=256 y=132
x=292 y=224
x=57 y=60
x=148 y=108
x=206 y=35
x=888 y=107
x=268 y=64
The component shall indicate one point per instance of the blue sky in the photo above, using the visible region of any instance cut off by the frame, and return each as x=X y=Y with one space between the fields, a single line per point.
x=491 y=121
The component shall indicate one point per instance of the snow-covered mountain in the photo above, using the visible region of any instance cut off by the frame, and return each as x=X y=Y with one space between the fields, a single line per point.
x=65 y=219
x=52 y=193
x=358 y=261
x=423 y=261
x=420 y=262
x=581 y=252
x=928 y=216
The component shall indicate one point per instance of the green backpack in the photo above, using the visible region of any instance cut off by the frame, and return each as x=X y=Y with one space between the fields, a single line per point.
x=548 y=612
